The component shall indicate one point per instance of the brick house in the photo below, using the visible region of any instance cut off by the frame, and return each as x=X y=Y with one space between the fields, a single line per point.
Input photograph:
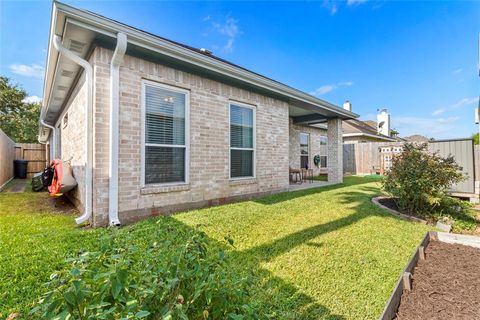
x=151 y=126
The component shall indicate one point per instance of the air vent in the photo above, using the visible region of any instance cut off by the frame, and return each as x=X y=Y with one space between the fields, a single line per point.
x=76 y=46
x=58 y=98
x=206 y=51
x=62 y=88
x=66 y=73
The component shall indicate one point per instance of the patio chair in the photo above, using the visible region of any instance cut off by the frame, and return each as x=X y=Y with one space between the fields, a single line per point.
x=297 y=173
x=307 y=175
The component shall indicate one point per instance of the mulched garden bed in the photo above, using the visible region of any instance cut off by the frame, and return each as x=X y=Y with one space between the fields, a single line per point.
x=391 y=204
x=446 y=285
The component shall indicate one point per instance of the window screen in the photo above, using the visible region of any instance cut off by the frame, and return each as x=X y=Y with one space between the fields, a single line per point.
x=165 y=147
x=241 y=141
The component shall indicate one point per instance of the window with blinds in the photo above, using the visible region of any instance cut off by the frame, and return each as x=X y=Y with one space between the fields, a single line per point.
x=165 y=135
x=242 y=141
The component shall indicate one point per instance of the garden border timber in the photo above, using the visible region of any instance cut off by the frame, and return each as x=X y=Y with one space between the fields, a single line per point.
x=395 y=212
x=391 y=307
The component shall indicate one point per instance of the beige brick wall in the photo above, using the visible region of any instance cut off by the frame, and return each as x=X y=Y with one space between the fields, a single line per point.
x=209 y=140
x=72 y=135
x=335 y=150
x=315 y=147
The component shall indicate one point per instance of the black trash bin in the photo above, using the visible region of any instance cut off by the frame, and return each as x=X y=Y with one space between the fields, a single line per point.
x=20 y=169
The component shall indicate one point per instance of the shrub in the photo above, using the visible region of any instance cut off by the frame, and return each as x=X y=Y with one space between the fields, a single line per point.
x=419 y=179
x=457 y=211
x=125 y=282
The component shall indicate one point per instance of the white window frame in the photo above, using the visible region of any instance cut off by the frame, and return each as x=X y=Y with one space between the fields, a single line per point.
x=146 y=83
x=308 y=148
x=254 y=149
x=326 y=140
x=326 y=151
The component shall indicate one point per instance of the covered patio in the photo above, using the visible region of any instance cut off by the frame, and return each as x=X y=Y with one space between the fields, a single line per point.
x=316 y=144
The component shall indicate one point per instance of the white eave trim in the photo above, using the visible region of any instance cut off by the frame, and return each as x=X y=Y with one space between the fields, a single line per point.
x=361 y=134
x=139 y=38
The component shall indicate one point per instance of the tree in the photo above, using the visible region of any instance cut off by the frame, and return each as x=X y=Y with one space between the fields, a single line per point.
x=394 y=133
x=475 y=139
x=18 y=119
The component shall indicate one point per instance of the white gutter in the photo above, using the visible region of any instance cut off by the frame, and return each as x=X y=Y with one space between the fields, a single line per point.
x=43 y=123
x=57 y=42
x=361 y=134
x=114 y=128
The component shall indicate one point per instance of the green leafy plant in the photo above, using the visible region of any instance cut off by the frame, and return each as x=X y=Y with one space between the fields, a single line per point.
x=457 y=212
x=18 y=117
x=122 y=281
x=419 y=179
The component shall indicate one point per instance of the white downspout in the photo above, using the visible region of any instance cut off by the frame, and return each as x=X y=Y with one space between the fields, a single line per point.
x=53 y=135
x=114 y=128
x=57 y=42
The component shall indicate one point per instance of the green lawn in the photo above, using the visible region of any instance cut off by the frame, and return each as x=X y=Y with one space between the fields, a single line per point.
x=324 y=253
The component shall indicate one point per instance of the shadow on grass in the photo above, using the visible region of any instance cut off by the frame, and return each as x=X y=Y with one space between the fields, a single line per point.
x=275 y=298
x=286 y=196
x=278 y=298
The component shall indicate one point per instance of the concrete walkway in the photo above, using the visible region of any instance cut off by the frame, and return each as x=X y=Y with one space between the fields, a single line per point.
x=308 y=185
x=17 y=186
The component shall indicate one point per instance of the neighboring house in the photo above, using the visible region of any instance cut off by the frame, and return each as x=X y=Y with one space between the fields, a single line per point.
x=416 y=138
x=151 y=126
x=355 y=131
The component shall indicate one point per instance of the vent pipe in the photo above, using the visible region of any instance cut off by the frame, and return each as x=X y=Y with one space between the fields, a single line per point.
x=347 y=106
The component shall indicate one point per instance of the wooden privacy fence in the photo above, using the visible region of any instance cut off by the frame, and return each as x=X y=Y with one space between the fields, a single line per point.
x=7 y=154
x=364 y=158
x=375 y=157
x=34 y=153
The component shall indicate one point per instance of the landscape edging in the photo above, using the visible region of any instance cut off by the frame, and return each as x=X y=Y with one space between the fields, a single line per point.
x=376 y=202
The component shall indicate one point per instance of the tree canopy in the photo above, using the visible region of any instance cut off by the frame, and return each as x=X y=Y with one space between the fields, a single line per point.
x=18 y=118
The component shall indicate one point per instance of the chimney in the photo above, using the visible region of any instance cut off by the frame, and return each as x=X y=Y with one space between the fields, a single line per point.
x=347 y=105
x=383 y=122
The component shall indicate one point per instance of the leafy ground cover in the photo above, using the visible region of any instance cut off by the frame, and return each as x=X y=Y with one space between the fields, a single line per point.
x=325 y=253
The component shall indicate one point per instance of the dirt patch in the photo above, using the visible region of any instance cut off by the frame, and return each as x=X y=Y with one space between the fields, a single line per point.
x=62 y=205
x=445 y=285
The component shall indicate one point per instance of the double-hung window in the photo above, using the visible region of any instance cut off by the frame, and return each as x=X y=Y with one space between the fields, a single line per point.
x=166 y=134
x=323 y=151
x=304 y=149
x=242 y=141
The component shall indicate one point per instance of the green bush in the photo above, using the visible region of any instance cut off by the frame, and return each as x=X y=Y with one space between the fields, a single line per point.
x=419 y=179
x=122 y=281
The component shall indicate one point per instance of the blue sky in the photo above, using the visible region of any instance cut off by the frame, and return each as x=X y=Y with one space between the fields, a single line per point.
x=417 y=59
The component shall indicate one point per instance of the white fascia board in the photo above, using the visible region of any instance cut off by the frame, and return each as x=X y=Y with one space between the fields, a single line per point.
x=348 y=135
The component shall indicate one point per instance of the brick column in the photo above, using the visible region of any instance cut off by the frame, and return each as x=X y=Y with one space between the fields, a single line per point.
x=335 y=150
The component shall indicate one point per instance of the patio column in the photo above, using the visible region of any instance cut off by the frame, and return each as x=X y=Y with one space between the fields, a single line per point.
x=335 y=150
